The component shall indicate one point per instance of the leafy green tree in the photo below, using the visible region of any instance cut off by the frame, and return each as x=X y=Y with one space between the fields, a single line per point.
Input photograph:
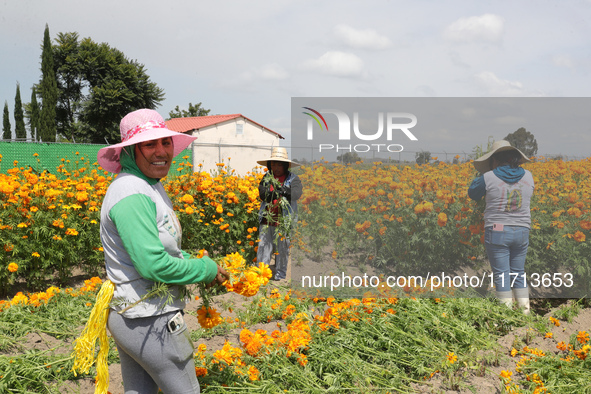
x=524 y=141
x=48 y=91
x=19 y=118
x=422 y=157
x=194 y=110
x=6 y=133
x=349 y=157
x=98 y=87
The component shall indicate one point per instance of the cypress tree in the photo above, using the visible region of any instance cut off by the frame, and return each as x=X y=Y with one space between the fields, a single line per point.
x=6 y=133
x=48 y=88
x=19 y=118
x=34 y=116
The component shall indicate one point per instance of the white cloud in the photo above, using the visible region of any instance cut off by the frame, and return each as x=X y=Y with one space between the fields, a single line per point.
x=484 y=28
x=273 y=71
x=361 y=39
x=338 y=64
x=499 y=87
x=270 y=71
x=563 y=61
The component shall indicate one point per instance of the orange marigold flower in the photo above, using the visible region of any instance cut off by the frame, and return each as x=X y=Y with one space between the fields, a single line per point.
x=199 y=371
x=71 y=231
x=583 y=337
x=253 y=373
x=579 y=236
x=12 y=267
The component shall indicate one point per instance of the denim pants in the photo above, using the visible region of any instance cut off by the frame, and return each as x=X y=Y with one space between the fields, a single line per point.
x=506 y=252
x=267 y=244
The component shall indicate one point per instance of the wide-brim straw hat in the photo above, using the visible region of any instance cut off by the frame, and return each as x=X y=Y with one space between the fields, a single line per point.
x=483 y=163
x=140 y=126
x=278 y=154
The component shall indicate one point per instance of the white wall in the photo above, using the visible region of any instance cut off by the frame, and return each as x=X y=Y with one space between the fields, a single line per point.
x=254 y=144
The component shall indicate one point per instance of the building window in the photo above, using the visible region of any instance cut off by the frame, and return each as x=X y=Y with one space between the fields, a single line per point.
x=239 y=128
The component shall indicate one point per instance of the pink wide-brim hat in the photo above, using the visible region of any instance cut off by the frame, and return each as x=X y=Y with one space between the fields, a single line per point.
x=140 y=126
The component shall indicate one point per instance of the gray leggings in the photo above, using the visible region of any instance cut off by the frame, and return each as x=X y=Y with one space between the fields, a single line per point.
x=151 y=357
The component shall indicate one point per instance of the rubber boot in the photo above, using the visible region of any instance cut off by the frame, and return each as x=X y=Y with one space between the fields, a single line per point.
x=522 y=298
x=505 y=297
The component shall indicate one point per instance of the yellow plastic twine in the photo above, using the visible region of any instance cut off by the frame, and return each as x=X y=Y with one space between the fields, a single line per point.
x=96 y=328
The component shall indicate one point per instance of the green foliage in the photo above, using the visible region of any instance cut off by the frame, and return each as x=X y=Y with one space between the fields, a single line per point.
x=32 y=114
x=28 y=370
x=478 y=150
x=19 y=121
x=349 y=158
x=194 y=110
x=422 y=157
x=524 y=141
x=6 y=132
x=98 y=86
x=48 y=91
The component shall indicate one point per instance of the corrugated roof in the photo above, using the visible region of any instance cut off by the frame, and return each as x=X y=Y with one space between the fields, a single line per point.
x=183 y=125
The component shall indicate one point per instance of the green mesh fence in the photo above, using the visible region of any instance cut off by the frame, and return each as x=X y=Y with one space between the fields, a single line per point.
x=48 y=156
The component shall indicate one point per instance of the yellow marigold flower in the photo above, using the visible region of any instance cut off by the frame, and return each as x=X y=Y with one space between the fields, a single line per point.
x=548 y=335
x=187 y=199
x=506 y=374
x=451 y=357
x=555 y=321
x=208 y=317
x=514 y=352
x=12 y=267
x=71 y=231
x=19 y=298
x=81 y=196
x=35 y=254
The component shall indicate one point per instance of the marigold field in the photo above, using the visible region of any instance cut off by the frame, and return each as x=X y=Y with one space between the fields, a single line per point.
x=49 y=227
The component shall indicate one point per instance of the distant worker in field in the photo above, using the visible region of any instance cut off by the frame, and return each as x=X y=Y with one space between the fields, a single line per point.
x=507 y=189
x=279 y=191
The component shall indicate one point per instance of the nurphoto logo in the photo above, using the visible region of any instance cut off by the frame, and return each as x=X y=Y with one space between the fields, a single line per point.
x=394 y=123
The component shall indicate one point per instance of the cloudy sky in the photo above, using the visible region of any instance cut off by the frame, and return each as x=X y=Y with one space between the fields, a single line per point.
x=251 y=57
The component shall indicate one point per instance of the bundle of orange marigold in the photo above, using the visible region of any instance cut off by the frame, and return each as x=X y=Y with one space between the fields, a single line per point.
x=244 y=280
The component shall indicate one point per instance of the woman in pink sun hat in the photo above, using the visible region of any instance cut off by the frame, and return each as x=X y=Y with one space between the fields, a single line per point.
x=141 y=238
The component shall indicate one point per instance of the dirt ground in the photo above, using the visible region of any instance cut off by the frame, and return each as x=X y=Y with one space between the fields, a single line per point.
x=486 y=381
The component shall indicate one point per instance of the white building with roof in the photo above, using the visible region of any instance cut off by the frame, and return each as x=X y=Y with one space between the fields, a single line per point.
x=231 y=139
